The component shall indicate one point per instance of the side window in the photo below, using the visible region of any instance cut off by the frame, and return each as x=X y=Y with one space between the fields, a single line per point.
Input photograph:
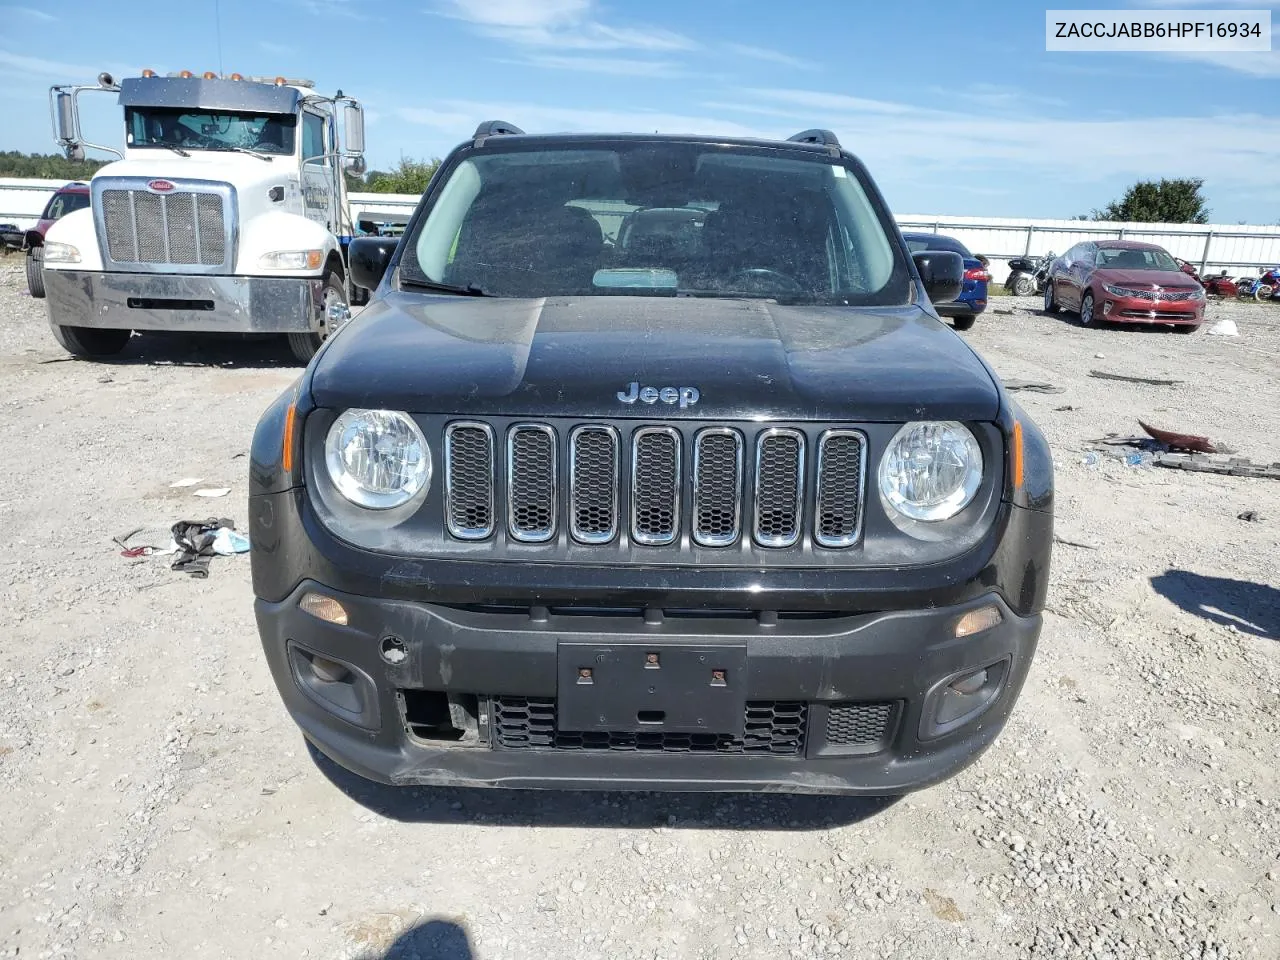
x=312 y=136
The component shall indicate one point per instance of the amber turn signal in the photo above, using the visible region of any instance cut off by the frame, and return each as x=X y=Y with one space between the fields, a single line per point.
x=324 y=608
x=975 y=621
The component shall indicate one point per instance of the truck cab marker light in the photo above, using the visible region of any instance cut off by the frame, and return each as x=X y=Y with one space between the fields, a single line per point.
x=323 y=608
x=976 y=621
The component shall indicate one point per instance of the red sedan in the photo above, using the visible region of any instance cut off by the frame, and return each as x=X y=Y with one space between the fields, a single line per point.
x=1123 y=281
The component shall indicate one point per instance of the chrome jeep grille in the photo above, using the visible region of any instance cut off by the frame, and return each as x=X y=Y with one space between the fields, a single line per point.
x=189 y=229
x=741 y=483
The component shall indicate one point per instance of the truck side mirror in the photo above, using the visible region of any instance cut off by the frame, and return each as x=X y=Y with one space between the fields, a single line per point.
x=65 y=113
x=367 y=258
x=942 y=274
x=353 y=128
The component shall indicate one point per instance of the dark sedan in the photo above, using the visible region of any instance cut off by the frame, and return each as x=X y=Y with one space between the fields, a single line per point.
x=1124 y=281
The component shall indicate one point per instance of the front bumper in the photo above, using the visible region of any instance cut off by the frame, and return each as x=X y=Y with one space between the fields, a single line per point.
x=194 y=304
x=1115 y=309
x=893 y=664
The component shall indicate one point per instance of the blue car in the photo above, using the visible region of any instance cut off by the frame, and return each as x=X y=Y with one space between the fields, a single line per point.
x=964 y=309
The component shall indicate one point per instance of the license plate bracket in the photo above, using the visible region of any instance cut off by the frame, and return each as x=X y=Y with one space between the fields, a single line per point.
x=651 y=688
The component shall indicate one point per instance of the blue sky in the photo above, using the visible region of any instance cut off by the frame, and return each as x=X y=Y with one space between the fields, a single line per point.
x=956 y=107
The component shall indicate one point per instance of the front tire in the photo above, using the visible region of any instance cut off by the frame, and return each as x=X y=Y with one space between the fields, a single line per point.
x=1087 y=316
x=1187 y=328
x=1050 y=300
x=1263 y=293
x=35 y=272
x=1024 y=286
x=963 y=323
x=90 y=342
x=305 y=345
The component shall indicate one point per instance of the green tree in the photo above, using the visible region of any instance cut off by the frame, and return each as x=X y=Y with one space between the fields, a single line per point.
x=409 y=176
x=48 y=166
x=1169 y=201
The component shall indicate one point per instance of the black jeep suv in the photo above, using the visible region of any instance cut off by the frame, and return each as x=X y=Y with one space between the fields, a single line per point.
x=650 y=465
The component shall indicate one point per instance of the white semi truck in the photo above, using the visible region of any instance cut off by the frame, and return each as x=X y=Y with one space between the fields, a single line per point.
x=226 y=212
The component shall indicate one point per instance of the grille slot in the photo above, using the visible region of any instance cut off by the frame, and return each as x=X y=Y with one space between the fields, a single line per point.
x=775 y=728
x=717 y=486
x=655 y=485
x=593 y=484
x=468 y=480
x=841 y=486
x=183 y=228
x=858 y=724
x=531 y=482
x=779 y=487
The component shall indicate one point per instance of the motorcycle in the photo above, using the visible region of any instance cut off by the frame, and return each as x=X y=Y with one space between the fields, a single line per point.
x=1219 y=286
x=1028 y=275
x=1259 y=288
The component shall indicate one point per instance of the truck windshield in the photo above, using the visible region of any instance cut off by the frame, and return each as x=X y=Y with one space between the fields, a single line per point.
x=196 y=130
x=654 y=219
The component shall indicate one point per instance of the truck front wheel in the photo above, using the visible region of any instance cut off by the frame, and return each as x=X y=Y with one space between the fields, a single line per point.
x=305 y=345
x=35 y=272
x=91 y=342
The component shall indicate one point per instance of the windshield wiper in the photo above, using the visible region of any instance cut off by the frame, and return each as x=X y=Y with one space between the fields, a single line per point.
x=252 y=153
x=178 y=150
x=470 y=290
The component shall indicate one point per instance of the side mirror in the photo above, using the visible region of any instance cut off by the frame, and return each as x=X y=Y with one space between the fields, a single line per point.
x=65 y=114
x=942 y=274
x=353 y=129
x=367 y=258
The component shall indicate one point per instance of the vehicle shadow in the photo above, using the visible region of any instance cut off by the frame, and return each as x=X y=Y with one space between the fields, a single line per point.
x=606 y=809
x=199 y=350
x=1252 y=608
x=430 y=940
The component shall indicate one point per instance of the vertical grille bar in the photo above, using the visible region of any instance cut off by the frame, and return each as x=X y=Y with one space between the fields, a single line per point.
x=195 y=226
x=468 y=480
x=841 y=487
x=655 y=486
x=717 y=486
x=594 y=470
x=531 y=482
x=779 y=487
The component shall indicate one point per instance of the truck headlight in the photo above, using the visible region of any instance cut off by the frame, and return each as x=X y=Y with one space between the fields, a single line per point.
x=378 y=459
x=931 y=470
x=292 y=260
x=55 y=252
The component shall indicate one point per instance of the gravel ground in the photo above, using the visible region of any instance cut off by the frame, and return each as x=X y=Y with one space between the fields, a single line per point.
x=158 y=802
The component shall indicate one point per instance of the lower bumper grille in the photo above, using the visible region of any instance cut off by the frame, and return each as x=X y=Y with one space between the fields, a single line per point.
x=774 y=727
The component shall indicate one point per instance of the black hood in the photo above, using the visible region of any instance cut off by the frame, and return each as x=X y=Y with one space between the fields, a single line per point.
x=572 y=356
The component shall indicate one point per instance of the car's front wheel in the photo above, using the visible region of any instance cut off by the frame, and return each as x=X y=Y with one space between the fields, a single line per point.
x=91 y=342
x=1050 y=299
x=1087 y=317
x=35 y=272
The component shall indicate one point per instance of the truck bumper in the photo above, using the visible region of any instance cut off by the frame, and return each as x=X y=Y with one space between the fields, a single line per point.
x=194 y=304
x=411 y=692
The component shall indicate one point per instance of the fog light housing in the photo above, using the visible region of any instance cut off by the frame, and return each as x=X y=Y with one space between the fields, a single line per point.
x=961 y=698
x=324 y=608
x=1106 y=308
x=336 y=686
x=975 y=621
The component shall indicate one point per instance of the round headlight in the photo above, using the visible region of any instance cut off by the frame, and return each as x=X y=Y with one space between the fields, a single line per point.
x=377 y=458
x=931 y=470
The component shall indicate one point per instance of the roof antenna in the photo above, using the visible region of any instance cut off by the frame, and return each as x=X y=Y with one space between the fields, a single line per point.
x=217 y=24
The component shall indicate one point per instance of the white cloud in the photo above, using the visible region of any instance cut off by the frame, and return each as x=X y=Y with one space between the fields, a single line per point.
x=276 y=49
x=769 y=56
x=31 y=12
x=561 y=24
x=68 y=72
x=615 y=66
x=1253 y=63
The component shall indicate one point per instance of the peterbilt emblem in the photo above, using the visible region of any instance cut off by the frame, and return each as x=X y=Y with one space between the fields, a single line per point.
x=160 y=186
x=684 y=396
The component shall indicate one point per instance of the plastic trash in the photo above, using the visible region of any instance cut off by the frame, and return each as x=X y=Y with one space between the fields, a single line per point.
x=186 y=482
x=1090 y=459
x=213 y=492
x=1226 y=327
x=227 y=541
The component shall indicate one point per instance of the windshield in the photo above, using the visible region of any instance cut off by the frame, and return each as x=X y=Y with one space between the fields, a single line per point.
x=657 y=219
x=1126 y=258
x=916 y=242
x=63 y=203
x=196 y=130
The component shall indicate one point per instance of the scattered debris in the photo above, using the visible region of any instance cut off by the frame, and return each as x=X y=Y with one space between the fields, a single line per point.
x=186 y=482
x=1180 y=441
x=1250 y=516
x=1031 y=386
x=1226 y=327
x=1072 y=543
x=1218 y=463
x=1063 y=408
x=1090 y=459
x=195 y=540
x=213 y=492
x=1150 y=381
x=227 y=542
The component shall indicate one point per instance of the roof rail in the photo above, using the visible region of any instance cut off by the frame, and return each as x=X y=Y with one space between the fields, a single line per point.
x=822 y=137
x=495 y=128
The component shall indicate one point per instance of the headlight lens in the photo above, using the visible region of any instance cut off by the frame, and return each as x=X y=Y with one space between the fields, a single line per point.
x=55 y=252
x=377 y=458
x=931 y=470
x=1114 y=290
x=1197 y=293
x=292 y=260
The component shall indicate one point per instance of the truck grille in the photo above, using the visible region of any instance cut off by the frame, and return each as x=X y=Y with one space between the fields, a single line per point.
x=774 y=727
x=190 y=228
x=740 y=485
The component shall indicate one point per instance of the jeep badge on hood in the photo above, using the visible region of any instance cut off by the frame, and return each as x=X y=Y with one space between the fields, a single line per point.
x=685 y=396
